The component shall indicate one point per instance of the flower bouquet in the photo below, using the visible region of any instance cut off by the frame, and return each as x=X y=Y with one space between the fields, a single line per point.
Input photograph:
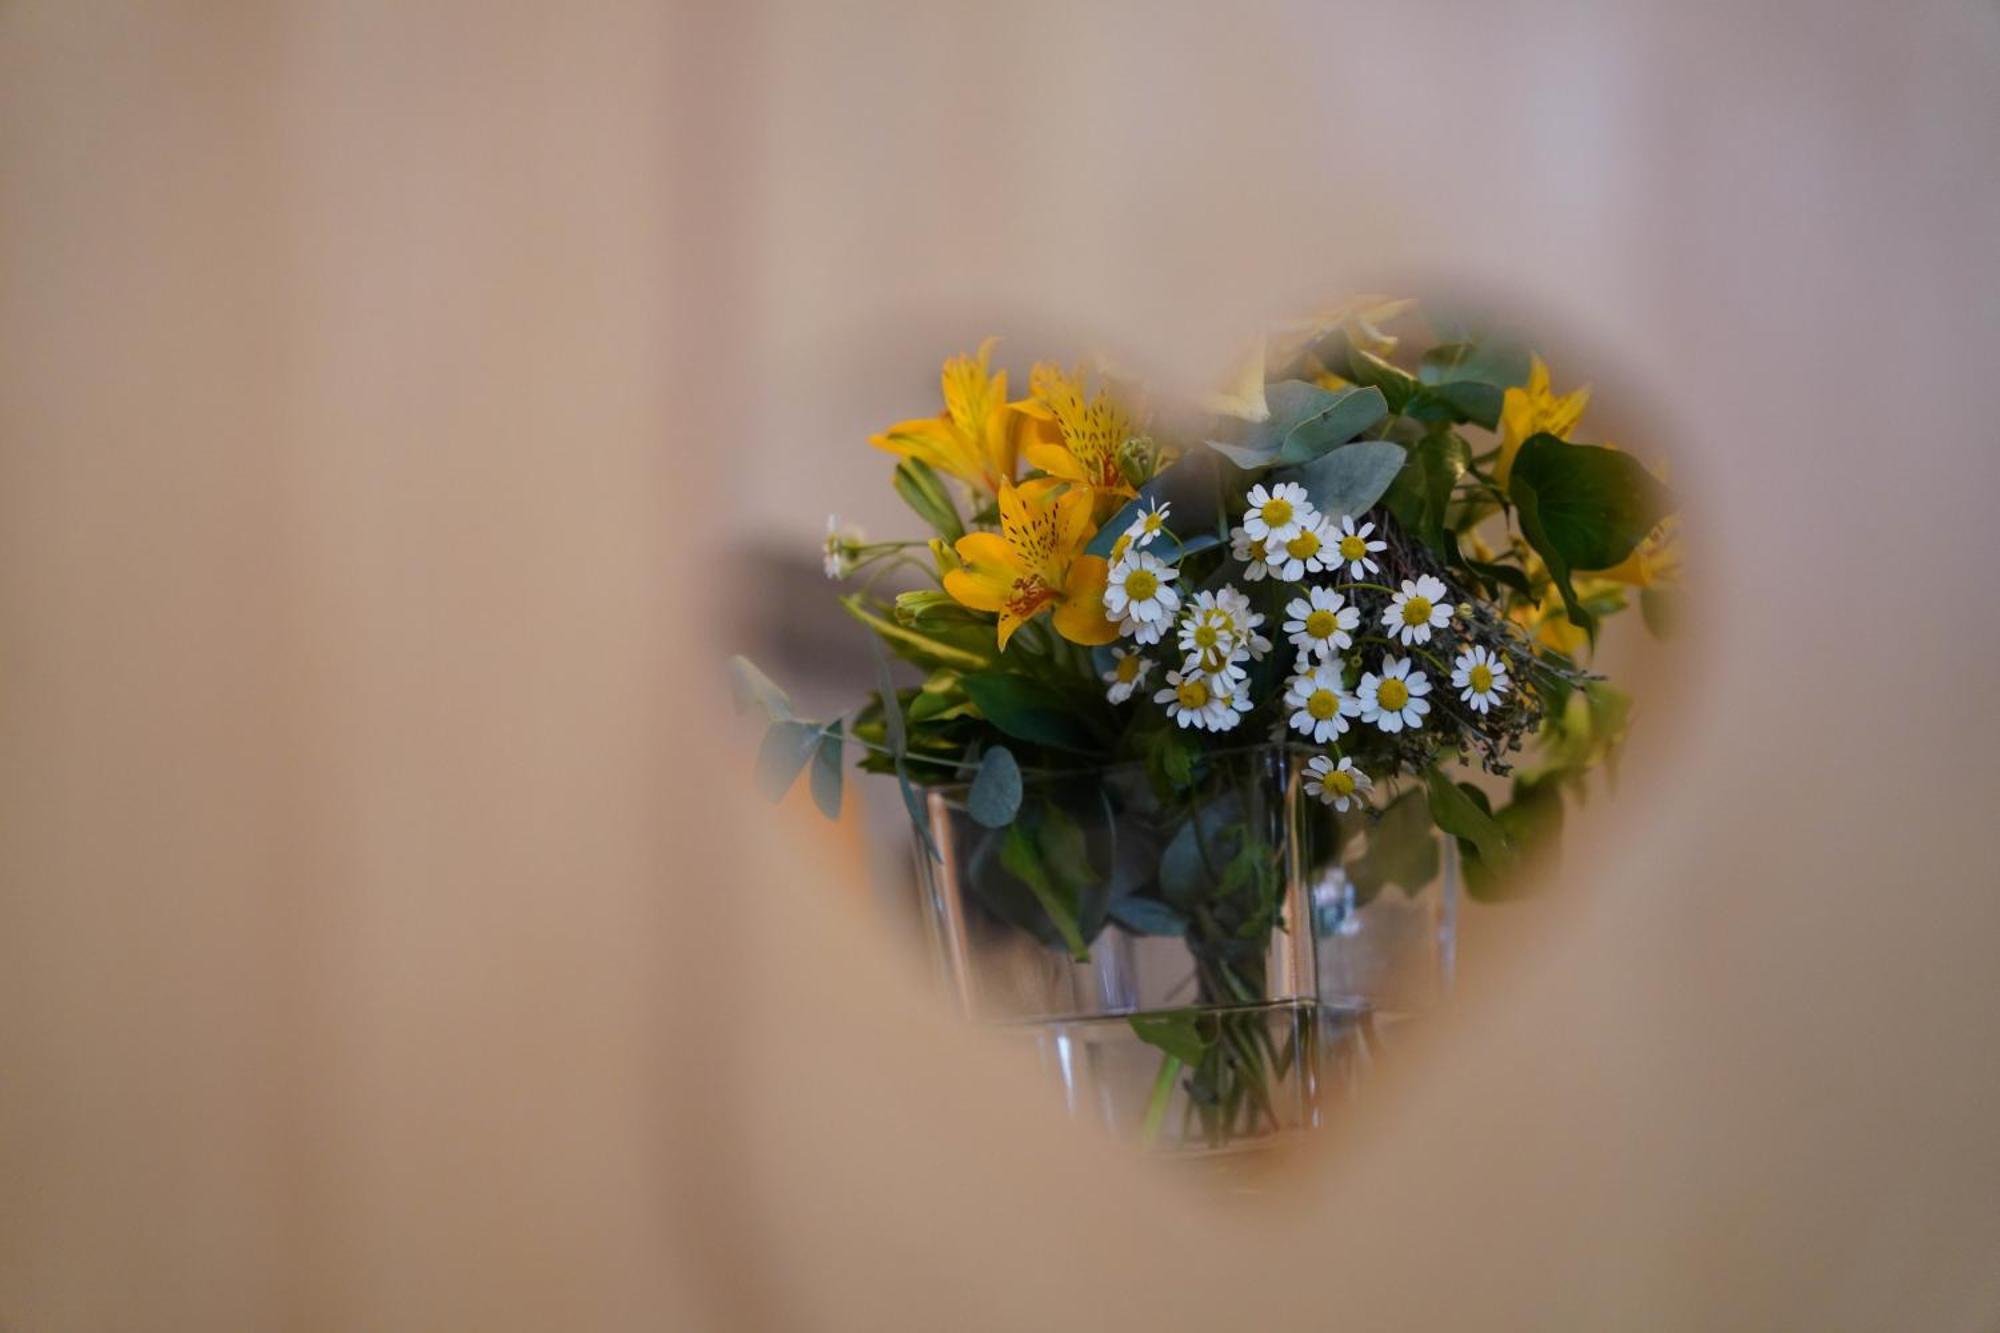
x=1195 y=684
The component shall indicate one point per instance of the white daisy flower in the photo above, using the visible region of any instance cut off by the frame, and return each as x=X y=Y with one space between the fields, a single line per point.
x=1480 y=677
x=1149 y=524
x=1276 y=513
x=1339 y=785
x=1319 y=705
x=1232 y=702
x=1395 y=699
x=1321 y=622
x=1144 y=631
x=1307 y=551
x=1128 y=672
x=1243 y=620
x=1193 y=702
x=1136 y=589
x=1423 y=605
x=1206 y=625
x=1352 y=545
x=1223 y=667
x=1251 y=553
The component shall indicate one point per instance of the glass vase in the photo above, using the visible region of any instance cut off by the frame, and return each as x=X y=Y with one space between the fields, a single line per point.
x=1187 y=950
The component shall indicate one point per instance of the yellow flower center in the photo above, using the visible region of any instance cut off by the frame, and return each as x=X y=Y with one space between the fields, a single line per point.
x=1481 y=678
x=1259 y=552
x=1305 y=545
x=1352 y=547
x=1119 y=547
x=1277 y=512
x=1392 y=694
x=1154 y=523
x=1321 y=625
x=1417 y=611
x=1340 y=782
x=1205 y=636
x=1141 y=584
x=1128 y=668
x=1323 y=704
x=1192 y=694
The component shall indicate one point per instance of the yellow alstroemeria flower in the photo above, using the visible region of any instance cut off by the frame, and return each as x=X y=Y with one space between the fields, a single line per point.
x=1360 y=318
x=1035 y=562
x=1088 y=431
x=1533 y=410
x=977 y=437
x=1654 y=561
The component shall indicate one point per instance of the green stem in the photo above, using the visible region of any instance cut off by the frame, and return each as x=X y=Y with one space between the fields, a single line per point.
x=1156 y=1105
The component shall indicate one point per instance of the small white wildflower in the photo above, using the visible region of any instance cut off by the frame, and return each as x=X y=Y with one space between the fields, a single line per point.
x=1321 y=622
x=1352 y=545
x=1128 y=672
x=1319 y=705
x=1480 y=677
x=1395 y=699
x=1275 y=513
x=1422 y=606
x=1339 y=785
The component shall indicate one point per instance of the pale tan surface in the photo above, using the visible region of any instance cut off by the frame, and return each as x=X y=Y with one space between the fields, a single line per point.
x=378 y=946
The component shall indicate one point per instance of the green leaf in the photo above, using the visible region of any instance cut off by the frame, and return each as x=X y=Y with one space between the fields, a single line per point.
x=1027 y=710
x=995 y=797
x=826 y=773
x=1401 y=850
x=1422 y=491
x=1527 y=502
x=1458 y=815
x=1305 y=422
x=1398 y=386
x=1352 y=478
x=932 y=649
x=1594 y=504
x=1200 y=851
x=924 y=492
x=749 y=687
x=1487 y=360
x=788 y=744
x=1478 y=403
x=1177 y=1033
x=1019 y=855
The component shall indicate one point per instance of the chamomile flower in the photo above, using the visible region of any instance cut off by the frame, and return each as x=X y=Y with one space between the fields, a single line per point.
x=1243 y=620
x=1149 y=524
x=1128 y=672
x=1193 y=701
x=1137 y=590
x=1276 y=512
x=1253 y=553
x=1480 y=677
x=1232 y=702
x=1423 y=605
x=1395 y=699
x=1339 y=785
x=1224 y=667
x=1319 y=705
x=1205 y=626
x=1307 y=551
x=1321 y=622
x=1351 y=544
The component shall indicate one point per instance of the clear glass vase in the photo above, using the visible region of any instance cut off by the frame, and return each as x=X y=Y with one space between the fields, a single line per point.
x=1191 y=953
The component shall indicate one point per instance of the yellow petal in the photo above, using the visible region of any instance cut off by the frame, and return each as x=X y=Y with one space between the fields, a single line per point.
x=1243 y=394
x=1054 y=460
x=1080 y=617
x=981 y=590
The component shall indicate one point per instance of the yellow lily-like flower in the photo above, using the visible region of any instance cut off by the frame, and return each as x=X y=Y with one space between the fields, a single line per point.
x=1654 y=561
x=977 y=437
x=1086 y=431
x=1533 y=410
x=1360 y=318
x=1035 y=563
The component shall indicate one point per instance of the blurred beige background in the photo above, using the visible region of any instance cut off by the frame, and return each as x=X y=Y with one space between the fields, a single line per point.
x=384 y=391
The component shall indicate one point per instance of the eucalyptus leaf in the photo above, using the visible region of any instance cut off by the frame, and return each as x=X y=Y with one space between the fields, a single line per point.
x=787 y=745
x=1349 y=480
x=751 y=687
x=1147 y=916
x=826 y=771
x=899 y=746
x=1190 y=486
x=995 y=796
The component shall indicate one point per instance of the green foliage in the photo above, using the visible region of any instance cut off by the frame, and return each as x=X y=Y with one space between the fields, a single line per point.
x=788 y=745
x=752 y=688
x=1058 y=898
x=899 y=747
x=1402 y=848
x=995 y=796
x=1029 y=710
x=1350 y=479
x=1305 y=422
x=826 y=771
x=1193 y=486
x=1422 y=491
x=1583 y=507
x=924 y=491
x=1459 y=811
x=1176 y=1032
x=968 y=646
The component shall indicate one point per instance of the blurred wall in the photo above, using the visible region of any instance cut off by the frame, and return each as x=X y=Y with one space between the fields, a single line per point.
x=382 y=943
